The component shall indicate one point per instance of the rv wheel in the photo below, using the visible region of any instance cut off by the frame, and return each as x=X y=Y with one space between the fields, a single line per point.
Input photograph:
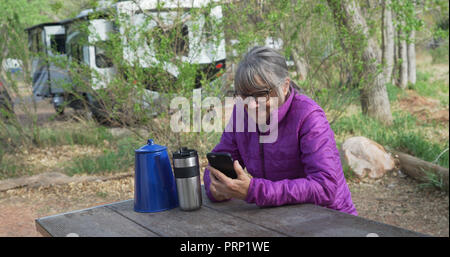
x=58 y=104
x=59 y=110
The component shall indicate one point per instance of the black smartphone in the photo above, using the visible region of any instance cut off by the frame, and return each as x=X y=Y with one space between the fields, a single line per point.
x=223 y=162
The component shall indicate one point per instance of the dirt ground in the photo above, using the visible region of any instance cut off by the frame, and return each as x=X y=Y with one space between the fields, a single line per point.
x=427 y=110
x=401 y=201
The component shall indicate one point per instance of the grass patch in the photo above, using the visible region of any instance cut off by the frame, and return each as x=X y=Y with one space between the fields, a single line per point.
x=11 y=168
x=348 y=172
x=13 y=142
x=94 y=136
x=102 y=194
x=437 y=89
x=120 y=157
x=440 y=54
x=12 y=139
x=404 y=135
x=433 y=181
x=394 y=92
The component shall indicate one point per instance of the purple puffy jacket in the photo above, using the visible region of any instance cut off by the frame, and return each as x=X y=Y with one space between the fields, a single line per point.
x=301 y=166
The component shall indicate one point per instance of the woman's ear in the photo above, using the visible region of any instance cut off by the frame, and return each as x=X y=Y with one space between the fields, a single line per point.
x=287 y=82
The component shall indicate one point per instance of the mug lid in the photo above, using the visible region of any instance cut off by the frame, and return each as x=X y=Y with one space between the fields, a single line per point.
x=184 y=152
x=150 y=147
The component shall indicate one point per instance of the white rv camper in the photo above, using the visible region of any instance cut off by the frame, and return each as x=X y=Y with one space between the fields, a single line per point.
x=47 y=40
x=82 y=47
x=192 y=48
x=144 y=14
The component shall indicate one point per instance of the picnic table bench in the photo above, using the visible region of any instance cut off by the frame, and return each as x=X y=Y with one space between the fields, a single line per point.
x=234 y=218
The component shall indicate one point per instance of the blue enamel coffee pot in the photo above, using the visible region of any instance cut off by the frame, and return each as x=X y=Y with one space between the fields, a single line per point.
x=154 y=183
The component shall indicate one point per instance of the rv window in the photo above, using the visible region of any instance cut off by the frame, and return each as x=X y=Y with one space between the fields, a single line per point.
x=32 y=43
x=39 y=42
x=101 y=56
x=58 y=43
x=76 y=52
x=208 y=28
x=182 y=43
x=36 y=44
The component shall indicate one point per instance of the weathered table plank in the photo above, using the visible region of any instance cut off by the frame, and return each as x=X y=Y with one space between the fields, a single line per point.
x=307 y=220
x=92 y=222
x=203 y=222
x=232 y=218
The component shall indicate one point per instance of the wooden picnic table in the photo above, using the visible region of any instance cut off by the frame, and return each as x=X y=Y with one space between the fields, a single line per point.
x=234 y=218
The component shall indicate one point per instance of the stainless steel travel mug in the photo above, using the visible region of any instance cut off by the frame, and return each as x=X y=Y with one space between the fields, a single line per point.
x=187 y=177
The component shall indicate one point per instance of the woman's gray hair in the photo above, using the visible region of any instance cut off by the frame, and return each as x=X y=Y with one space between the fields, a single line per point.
x=262 y=64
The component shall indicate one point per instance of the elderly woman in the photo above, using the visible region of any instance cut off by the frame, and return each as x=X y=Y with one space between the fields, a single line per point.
x=301 y=166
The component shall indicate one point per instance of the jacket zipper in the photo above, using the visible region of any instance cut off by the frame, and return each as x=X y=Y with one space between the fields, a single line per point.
x=261 y=154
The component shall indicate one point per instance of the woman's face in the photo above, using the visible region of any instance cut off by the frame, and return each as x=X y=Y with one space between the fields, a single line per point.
x=259 y=103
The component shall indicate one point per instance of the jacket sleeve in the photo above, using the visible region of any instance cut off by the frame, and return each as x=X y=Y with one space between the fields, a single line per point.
x=319 y=157
x=227 y=144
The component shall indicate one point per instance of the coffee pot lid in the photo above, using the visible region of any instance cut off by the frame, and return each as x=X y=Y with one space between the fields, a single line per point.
x=150 y=147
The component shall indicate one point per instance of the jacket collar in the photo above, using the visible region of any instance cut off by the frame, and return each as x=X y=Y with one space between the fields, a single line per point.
x=281 y=111
x=284 y=108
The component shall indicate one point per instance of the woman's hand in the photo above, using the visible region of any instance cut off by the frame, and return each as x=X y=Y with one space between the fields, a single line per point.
x=218 y=196
x=224 y=187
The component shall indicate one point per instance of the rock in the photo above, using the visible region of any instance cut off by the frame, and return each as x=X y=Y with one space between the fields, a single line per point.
x=367 y=158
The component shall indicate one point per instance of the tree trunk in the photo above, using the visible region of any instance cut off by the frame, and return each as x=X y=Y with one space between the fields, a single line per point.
x=403 y=60
x=374 y=98
x=422 y=170
x=412 y=58
x=3 y=43
x=301 y=66
x=412 y=52
x=388 y=41
x=395 y=69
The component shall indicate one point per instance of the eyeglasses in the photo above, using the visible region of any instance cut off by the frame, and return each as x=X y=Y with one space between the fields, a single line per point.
x=260 y=93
